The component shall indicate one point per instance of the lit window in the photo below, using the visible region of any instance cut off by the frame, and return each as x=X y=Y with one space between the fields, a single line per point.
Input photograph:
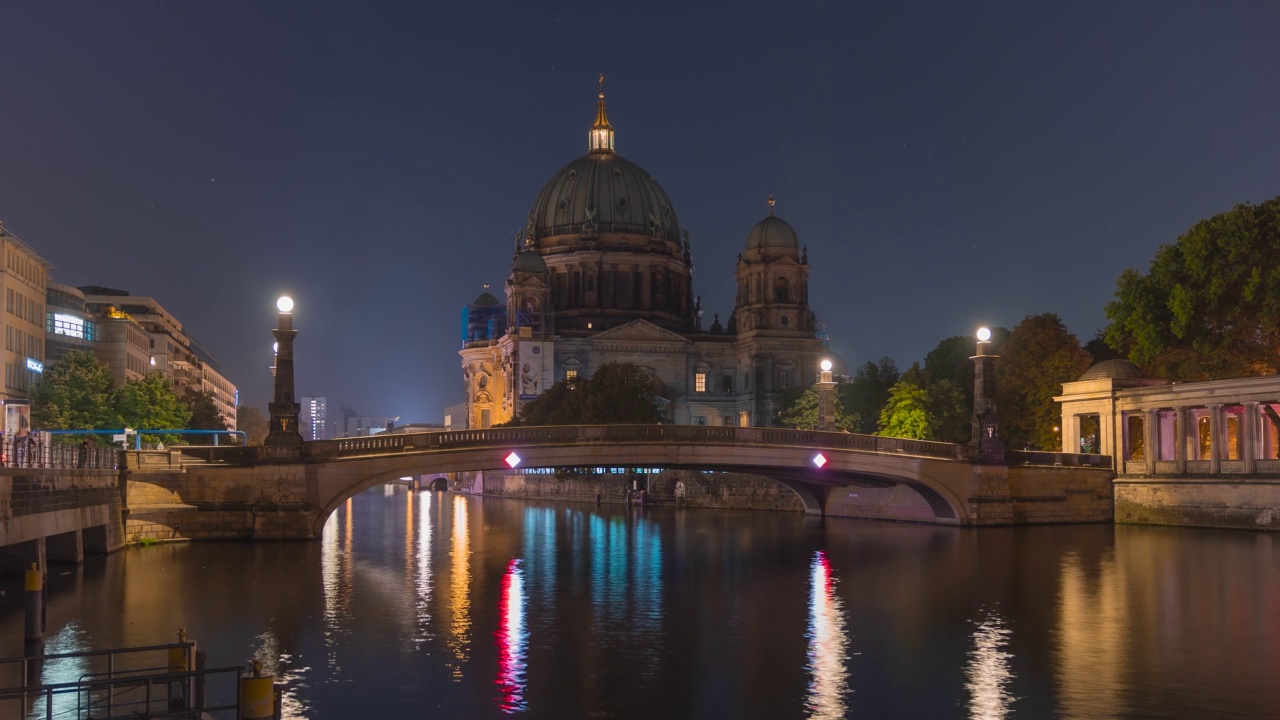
x=570 y=374
x=700 y=382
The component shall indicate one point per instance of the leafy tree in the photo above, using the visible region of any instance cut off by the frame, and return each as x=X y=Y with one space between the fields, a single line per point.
x=951 y=411
x=803 y=413
x=75 y=393
x=152 y=403
x=254 y=424
x=1038 y=357
x=204 y=411
x=1099 y=350
x=906 y=415
x=868 y=391
x=615 y=393
x=1209 y=306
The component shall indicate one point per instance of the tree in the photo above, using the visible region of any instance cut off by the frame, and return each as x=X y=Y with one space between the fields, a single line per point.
x=1209 y=306
x=906 y=414
x=868 y=391
x=152 y=403
x=1038 y=357
x=803 y=413
x=75 y=394
x=615 y=393
x=251 y=421
x=205 y=414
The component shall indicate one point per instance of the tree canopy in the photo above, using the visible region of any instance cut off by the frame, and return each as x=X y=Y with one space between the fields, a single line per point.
x=152 y=403
x=906 y=414
x=802 y=414
x=617 y=393
x=867 y=392
x=1209 y=305
x=254 y=424
x=76 y=393
x=204 y=411
x=1038 y=357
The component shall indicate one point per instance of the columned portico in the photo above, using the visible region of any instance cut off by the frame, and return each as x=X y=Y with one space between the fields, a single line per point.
x=1220 y=427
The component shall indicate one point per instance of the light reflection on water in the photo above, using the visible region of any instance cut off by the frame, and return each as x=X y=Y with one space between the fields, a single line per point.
x=479 y=606
x=988 y=677
x=828 y=644
x=513 y=638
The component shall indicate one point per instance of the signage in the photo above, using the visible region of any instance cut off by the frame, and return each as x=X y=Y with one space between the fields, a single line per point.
x=35 y=365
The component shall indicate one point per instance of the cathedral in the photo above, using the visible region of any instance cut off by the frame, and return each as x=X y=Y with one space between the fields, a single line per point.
x=602 y=272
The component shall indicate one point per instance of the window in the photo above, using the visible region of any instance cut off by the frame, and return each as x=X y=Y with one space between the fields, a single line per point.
x=784 y=379
x=700 y=383
x=728 y=420
x=727 y=385
x=571 y=374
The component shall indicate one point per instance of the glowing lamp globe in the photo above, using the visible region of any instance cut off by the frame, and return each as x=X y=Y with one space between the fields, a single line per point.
x=825 y=365
x=275 y=347
x=284 y=304
x=984 y=334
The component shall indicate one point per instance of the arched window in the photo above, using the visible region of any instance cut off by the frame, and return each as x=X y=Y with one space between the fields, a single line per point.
x=781 y=290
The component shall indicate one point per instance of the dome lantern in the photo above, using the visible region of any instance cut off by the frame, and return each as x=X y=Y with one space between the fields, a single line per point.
x=600 y=139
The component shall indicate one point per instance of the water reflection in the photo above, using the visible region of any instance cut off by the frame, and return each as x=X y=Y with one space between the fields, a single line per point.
x=71 y=638
x=828 y=644
x=1093 y=627
x=460 y=586
x=987 y=674
x=336 y=571
x=423 y=581
x=279 y=664
x=513 y=640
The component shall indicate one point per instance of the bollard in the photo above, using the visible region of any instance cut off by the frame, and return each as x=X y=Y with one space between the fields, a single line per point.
x=257 y=695
x=180 y=661
x=35 y=603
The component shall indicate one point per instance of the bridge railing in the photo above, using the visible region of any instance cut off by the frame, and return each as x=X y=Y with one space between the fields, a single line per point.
x=567 y=434
x=1036 y=457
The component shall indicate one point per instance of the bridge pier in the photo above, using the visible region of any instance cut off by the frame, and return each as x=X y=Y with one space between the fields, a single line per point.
x=67 y=547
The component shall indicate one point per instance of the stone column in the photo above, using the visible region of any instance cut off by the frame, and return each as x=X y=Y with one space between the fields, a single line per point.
x=284 y=437
x=1150 y=440
x=1215 y=439
x=826 y=401
x=1248 y=438
x=1181 y=416
x=1107 y=439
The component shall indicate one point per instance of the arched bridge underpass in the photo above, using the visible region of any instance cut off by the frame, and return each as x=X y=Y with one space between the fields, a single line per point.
x=294 y=498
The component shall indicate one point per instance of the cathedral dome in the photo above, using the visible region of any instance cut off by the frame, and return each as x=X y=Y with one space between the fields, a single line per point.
x=601 y=192
x=772 y=232
x=486 y=298
x=1113 y=370
x=529 y=261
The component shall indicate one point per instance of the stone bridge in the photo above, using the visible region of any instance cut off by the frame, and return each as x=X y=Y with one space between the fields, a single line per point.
x=253 y=492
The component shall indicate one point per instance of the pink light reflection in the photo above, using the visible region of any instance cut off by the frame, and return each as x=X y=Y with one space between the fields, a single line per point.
x=513 y=640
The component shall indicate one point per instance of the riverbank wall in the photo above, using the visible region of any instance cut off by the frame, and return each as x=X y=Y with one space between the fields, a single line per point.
x=1237 y=502
x=58 y=514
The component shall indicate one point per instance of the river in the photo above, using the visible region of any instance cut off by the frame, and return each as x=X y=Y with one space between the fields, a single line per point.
x=436 y=605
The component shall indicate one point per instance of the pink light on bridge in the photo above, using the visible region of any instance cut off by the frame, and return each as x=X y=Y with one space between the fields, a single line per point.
x=820 y=460
x=512 y=460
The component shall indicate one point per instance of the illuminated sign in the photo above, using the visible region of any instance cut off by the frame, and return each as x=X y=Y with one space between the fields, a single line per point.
x=819 y=459
x=512 y=460
x=35 y=365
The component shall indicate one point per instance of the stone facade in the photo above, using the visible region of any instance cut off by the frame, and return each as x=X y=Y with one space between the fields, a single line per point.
x=73 y=511
x=1239 y=503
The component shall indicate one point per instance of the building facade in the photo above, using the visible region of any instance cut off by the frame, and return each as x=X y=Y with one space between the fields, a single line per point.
x=137 y=335
x=314 y=418
x=602 y=272
x=1154 y=427
x=25 y=278
x=68 y=326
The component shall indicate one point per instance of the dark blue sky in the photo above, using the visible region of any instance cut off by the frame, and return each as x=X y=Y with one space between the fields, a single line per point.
x=947 y=164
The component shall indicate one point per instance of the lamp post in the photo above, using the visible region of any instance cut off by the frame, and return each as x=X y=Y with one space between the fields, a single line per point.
x=826 y=398
x=986 y=423
x=284 y=438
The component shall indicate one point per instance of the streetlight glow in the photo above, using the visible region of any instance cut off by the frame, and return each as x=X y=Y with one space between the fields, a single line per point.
x=284 y=304
x=825 y=365
x=984 y=334
x=275 y=348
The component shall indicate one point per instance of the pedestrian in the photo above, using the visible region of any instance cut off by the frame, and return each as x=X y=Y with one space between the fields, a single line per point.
x=85 y=447
x=20 y=446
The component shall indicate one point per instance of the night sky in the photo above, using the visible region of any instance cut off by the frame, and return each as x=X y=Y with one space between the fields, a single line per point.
x=948 y=164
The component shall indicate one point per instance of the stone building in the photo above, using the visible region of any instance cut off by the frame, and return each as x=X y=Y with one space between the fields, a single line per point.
x=602 y=272
x=1154 y=427
x=24 y=277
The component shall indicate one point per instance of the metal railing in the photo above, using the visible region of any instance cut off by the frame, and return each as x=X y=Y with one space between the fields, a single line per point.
x=130 y=685
x=26 y=452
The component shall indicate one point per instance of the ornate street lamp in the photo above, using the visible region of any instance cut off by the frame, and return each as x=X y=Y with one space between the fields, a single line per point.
x=826 y=398
x=284 y=437
x=986 y=422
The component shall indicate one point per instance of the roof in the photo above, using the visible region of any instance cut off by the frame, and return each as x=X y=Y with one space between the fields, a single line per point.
x=1113 y=369
x=773 y=232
